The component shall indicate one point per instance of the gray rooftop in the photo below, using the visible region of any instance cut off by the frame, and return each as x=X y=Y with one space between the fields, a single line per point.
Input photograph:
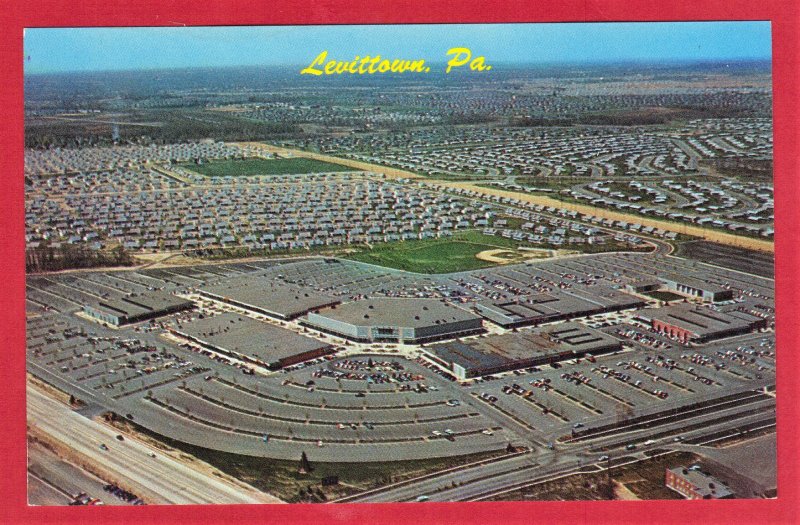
x=397 y=312
x=140 y=304
x=541 y=306
x=700 y=320
x=247 y=336
x=497 y=350
x=276 y=297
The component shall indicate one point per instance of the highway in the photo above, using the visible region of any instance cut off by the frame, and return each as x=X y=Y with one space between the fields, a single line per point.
x=61 y=476
x=520 y=465
x=484 y=481
x=42 y=494
x=566 y=464
x=130 y=464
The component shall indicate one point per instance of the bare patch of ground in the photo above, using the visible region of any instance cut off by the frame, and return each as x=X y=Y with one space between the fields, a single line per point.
x=621 y=492
x=504 y=256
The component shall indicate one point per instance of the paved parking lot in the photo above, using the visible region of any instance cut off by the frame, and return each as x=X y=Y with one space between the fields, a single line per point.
x=384 y=401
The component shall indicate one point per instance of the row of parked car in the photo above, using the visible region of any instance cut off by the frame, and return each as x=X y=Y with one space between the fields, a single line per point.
x=85 y=499
x=123 y=494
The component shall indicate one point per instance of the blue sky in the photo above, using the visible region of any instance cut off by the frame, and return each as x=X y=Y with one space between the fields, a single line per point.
x=93 y=49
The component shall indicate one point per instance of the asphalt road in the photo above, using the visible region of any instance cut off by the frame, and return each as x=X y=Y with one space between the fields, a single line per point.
x=54 y=472
x=42 y=494
x=516 y=464
x=158 y=480
x=480 y=481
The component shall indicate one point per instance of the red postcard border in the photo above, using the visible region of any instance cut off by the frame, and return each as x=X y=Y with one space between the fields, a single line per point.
x=785 y=20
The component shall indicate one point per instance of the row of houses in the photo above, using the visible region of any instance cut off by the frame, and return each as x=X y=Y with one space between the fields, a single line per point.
x=72 y=161
x=323 y=212
x=561 y=151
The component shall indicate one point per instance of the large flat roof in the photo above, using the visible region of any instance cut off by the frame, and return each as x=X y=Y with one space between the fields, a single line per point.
x=397 y=312
x=274 y=296
x=247 y=336
x=605 y=296
x=140 y=304
x=497 y=350
x=541 y=306
x=700 y=320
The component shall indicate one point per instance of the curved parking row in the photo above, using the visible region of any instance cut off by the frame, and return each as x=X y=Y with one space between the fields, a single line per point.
x=315 y=386
x=239 y=398
x=310 y=421
x=291 y=401
x=268 y=434
x=369 y=388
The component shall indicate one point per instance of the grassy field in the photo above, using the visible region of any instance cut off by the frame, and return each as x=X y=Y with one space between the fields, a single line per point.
x=452 y=254
x=442 y=256
x=457 y=253
x=257 y=166
x=282 y=479
x=514 y=223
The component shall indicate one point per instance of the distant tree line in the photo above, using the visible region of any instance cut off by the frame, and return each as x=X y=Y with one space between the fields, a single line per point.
x=174 y=126
x=71 y=256
x=636 y=116
x=470 y=118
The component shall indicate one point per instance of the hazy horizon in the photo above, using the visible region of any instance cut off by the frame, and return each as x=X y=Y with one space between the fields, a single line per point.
x=76 y=50
x=512 y=66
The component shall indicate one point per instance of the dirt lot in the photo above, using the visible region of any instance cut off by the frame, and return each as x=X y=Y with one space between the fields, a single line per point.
x=503 y=256
x=643 y=480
